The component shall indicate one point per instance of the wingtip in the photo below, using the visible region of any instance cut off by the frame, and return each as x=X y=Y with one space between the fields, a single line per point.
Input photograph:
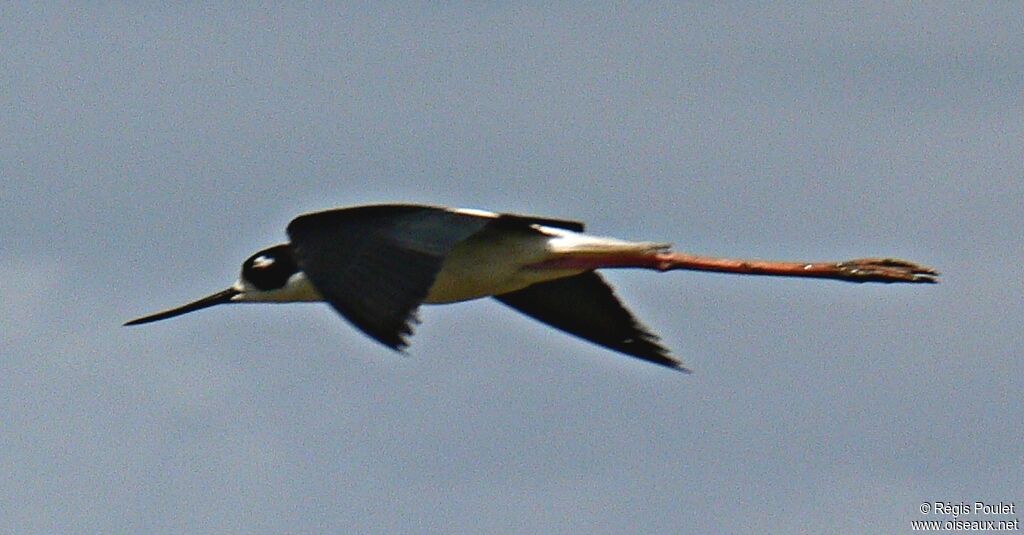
x=674 y=363
x=680 y=367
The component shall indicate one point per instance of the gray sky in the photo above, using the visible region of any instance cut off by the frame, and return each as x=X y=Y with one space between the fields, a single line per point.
x=146 y=151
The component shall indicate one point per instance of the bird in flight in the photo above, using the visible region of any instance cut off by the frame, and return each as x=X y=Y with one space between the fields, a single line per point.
x=377 y=264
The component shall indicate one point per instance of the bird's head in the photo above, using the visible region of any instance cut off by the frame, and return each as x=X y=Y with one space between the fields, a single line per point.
x=271 y=275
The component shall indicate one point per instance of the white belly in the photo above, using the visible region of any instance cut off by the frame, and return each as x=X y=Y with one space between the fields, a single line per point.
x=493 y=262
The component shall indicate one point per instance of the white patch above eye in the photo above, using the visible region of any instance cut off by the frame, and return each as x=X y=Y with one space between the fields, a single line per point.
x=262 y=261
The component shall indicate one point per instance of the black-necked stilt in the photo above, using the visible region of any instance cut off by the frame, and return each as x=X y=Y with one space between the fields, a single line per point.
x=377 y=264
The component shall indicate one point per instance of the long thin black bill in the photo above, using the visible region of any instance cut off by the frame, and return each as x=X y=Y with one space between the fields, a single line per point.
x=208 y=301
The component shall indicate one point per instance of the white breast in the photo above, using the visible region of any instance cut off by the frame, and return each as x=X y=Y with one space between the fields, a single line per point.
x=493 y=262
x=497 y=261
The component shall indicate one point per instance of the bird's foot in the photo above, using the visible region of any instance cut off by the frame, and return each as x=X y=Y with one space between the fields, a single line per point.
x=886 y=270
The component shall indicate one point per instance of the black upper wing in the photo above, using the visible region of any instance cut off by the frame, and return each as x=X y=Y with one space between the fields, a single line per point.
x=376 y=264
x=584 y=305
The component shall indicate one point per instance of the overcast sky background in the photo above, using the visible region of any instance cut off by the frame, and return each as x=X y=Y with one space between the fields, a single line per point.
x=146 y=150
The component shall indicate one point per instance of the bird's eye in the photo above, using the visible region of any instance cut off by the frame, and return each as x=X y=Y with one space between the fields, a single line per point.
x=270 y=269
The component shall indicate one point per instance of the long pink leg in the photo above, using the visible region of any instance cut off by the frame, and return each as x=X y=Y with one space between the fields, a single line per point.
x=858 y=270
